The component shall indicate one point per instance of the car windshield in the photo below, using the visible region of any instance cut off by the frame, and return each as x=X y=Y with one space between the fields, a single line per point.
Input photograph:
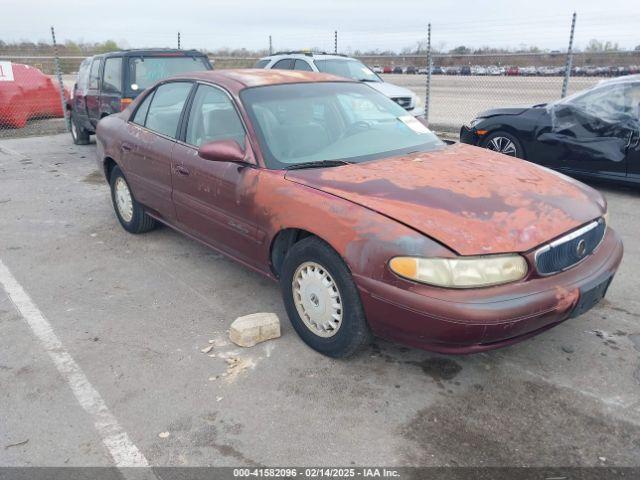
x=145 y=71
x=346 y=68
x=325 y=122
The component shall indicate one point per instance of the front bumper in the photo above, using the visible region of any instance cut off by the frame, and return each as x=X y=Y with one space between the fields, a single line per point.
x=469 y=321
x=469 y=135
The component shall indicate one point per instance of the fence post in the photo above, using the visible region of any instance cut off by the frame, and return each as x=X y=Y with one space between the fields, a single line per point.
x=335 y=41
x=569 y=62
x=63 y=100
x=179 y=41
x=270 y=46
x=428 y=86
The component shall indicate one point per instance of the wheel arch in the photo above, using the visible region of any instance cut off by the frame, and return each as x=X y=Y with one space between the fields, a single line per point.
x=108 y=164
x=284 y=239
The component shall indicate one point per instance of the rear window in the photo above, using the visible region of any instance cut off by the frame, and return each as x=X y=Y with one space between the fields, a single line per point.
x=145 y=71
x=83 y=75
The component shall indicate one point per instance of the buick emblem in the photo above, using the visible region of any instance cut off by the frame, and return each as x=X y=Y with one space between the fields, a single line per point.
x=581 y=248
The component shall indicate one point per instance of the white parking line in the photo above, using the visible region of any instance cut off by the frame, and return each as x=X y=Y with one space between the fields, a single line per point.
x=121 y=448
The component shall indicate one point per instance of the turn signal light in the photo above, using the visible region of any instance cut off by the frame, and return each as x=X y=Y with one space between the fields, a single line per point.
x=125 y=102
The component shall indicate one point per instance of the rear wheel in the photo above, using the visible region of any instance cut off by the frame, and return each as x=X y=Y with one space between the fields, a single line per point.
x=322 y=300
x=79 y=134
x=130 y=213
x=505 y=143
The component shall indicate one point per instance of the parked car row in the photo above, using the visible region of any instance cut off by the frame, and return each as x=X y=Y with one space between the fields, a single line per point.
x=512 y=70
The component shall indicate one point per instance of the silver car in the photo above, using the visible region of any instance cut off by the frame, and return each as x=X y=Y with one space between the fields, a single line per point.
x=342 y=66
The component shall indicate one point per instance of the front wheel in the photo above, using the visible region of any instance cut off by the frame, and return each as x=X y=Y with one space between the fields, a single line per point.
x=130 y=213
x=322 y=300
x=505 y=143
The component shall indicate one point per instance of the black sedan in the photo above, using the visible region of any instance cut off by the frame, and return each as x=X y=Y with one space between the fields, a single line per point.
x=593 y=133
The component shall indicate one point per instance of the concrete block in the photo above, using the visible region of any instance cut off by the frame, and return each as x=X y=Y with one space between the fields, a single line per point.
x=251 y=329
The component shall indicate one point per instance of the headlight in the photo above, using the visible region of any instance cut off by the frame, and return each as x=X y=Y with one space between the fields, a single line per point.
x=461 y=272
x=474 y=122
x=605 y=217
x=417 y=102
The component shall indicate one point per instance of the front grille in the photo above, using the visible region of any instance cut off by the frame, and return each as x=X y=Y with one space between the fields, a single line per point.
x=404 y=102
x=571 y=249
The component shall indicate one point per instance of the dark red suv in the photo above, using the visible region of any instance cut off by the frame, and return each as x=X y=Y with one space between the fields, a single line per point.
x=108 y=83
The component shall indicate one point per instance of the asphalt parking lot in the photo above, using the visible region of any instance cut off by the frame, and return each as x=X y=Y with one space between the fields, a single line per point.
x=134 y=312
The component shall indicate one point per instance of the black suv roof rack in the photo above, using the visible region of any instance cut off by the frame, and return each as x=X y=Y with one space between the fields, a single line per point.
x=307 y=53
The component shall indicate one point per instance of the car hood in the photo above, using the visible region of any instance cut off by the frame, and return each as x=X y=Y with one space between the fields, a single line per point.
x=470 y=199
x=391 y=90
x=503 y=111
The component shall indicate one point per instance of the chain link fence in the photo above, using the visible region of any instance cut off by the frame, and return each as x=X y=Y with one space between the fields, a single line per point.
x=32 y=101
x=462 y=84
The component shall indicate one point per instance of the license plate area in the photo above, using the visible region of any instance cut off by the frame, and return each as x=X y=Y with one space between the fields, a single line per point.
x=590 y=296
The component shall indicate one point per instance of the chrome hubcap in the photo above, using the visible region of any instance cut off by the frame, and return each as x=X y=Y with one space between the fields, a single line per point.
x=124 y=202
x=317 y=299
x=502 y=145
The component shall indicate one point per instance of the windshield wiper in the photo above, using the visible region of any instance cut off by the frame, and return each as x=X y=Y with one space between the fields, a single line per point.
x=317 y=164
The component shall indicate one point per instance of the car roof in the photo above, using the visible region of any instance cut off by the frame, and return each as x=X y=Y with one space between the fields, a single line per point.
x=235 y=80
x=303 y=54
x=152 y=51
x=624 y=79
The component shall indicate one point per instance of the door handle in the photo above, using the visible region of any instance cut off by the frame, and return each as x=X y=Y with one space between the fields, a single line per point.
x=182 y=170
x=125 y=147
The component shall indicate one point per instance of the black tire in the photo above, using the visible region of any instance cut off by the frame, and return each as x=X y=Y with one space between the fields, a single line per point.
x=139 y=222
x=79 y=134
x=492 y=141
x=353 y=332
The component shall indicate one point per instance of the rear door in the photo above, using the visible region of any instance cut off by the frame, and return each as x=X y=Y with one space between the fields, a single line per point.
x=151 y=138
x=93 y=92
x=80 y=90
x=111 y=88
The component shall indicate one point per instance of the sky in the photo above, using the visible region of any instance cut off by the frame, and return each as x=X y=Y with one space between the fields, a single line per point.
x=364 y=25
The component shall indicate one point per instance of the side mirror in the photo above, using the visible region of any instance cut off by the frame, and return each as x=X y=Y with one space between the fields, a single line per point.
x=223 y=151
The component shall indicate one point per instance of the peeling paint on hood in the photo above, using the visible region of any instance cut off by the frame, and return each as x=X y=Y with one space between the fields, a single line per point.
x=470 y=199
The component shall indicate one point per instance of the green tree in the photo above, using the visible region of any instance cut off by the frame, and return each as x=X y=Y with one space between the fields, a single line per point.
x=596 y=46
x=108 y=46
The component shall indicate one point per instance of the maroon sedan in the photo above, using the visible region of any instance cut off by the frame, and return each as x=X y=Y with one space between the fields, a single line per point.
x=370 y=223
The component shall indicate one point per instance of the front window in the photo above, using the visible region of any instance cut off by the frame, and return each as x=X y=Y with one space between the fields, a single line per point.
x=145 y=71
x=213 y=117
x=315 y=122
x=352 y=69
x=112 y=76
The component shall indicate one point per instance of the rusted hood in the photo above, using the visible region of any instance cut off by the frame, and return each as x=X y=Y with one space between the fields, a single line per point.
x=473 y=200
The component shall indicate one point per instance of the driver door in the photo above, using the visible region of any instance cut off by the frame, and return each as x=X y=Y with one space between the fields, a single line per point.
x=214 y=200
